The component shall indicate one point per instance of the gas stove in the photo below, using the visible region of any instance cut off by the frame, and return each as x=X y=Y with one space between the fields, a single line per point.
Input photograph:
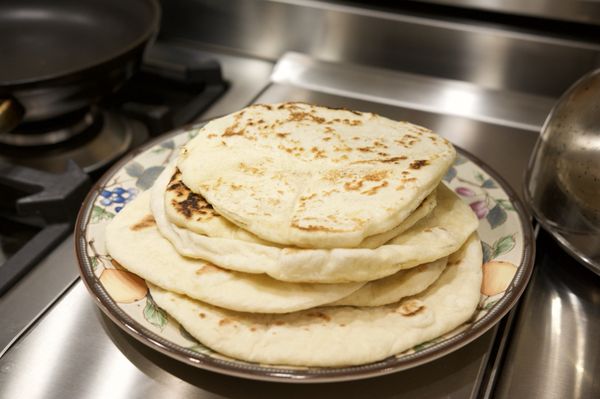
x=486 y=87
x=46 y=167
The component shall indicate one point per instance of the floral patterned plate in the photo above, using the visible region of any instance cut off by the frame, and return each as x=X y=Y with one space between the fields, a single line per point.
x=504 y=229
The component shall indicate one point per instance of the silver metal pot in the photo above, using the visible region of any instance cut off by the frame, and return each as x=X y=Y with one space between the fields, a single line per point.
x=562 y=183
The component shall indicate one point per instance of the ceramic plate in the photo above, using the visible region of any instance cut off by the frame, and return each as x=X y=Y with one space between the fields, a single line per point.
x=504 y=230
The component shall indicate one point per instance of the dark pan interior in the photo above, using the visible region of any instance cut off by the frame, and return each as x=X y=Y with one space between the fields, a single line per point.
x=48 y=39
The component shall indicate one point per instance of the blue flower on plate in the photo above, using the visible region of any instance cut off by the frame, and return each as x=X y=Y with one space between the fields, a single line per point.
x=118 y=196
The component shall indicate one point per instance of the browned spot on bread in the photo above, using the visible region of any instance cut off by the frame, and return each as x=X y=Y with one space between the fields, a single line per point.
x=318 y=153
x=266 y=106
x=320 y=315
x=251 y=169
x=279 y=322
x=211 y=135
x=147 y=221
x=297 y=116
x=344 y=109
x=373 y=190
x=342 y=149
x=305 y=198
x=353 y=185
x=410 y=307
x=313 y=227
x=224 y=322
x=377 y=176
x=202 y=315
x=252 y=329
x=230 y=131
x=418 y=164
x=382 y=160
x=326 y=138
x=281 y=134
x=192 y=203
x=393 y=159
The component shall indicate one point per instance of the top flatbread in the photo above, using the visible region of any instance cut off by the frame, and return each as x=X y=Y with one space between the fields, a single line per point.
x=189 y=210
x=313 y=177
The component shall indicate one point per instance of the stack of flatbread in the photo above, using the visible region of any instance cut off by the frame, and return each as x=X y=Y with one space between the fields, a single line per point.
x=308 y=236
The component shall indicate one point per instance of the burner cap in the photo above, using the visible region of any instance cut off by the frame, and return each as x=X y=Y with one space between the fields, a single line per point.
x=104 y=137
x=51 y=131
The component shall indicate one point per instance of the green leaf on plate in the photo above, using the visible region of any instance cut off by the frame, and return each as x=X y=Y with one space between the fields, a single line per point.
x=489 y=305
x=488 y=252
x=496 y=216
x=479 y=177
x=459 y=160
x=153 y=314
x=450 y=174
x=147 y=178
x=506 y=204
x=489 y=183
x=200 y=348
x=134 y=169
x=99 y=214
x=95 y=262
x=504 y=245
x=420 y=347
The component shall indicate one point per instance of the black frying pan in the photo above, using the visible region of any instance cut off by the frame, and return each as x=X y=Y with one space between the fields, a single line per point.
x=59 y=56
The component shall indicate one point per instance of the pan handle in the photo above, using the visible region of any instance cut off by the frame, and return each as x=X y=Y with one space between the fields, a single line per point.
x=11 y=114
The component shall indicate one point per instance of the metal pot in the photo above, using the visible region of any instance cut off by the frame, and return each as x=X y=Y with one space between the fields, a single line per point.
x=562 y=184
x=63 y=55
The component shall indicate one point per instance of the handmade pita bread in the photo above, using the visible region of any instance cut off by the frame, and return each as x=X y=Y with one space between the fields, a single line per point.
x=341 y=335
x=314 y=177
x=433 y=237
x=190 y=211
x=395 y=287
x=133 y=240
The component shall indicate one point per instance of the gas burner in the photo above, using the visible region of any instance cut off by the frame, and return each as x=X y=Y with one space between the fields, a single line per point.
x=95 y=139
x=52 y=131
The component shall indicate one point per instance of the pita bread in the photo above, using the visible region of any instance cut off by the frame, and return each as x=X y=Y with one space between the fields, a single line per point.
x=133 y=240
x=341 y=335
x=313 y=177
x=395 y=287
x=190 y=211
x=433 y=237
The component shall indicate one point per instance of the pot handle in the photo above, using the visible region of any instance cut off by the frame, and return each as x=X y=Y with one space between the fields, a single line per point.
x=11 y=114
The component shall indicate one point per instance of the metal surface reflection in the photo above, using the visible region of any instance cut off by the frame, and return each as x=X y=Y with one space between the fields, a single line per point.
x=553 y=353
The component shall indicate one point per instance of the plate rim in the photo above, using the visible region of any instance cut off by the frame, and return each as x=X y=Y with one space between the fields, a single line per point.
x=311 y=375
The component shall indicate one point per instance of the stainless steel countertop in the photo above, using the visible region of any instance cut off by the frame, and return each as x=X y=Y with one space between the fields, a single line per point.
x=555 y=351
x=74 y=351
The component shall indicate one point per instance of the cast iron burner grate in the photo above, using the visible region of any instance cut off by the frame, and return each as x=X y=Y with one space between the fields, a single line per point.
x=42 y=182
x=44 y=214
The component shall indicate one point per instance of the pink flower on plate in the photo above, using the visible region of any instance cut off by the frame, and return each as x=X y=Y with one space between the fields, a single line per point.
x=480 y=208
x=465 y=191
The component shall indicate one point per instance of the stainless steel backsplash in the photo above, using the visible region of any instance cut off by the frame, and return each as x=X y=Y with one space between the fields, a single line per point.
x=489 y=56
